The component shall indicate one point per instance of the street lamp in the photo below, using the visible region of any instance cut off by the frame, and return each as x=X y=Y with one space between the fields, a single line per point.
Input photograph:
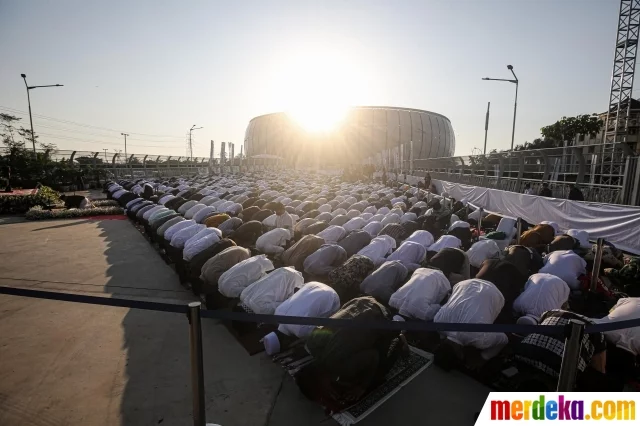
x=33 y=136
x=191 y=146
x=515 y=103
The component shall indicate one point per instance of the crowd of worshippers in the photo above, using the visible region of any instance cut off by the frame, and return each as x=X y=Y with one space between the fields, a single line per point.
x=305 y=244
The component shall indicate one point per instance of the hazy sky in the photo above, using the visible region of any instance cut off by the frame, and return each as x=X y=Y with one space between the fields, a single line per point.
x=157 y=67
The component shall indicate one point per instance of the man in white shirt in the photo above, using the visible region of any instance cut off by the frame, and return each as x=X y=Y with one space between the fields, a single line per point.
x=473 y=301
x=542 y=292
x=567 y=265
x=284 y=219
x=273 y=242
x=315 y=300
x=421 y=296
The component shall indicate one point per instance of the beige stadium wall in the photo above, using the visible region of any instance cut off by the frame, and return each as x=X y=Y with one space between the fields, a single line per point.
x=367 y=133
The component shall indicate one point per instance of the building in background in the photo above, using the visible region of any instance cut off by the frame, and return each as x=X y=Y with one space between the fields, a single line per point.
x=389 y=136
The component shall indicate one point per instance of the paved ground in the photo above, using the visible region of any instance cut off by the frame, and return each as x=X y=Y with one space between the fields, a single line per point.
x=71 y=364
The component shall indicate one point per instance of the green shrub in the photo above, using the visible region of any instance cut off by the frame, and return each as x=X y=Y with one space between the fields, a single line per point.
x=37 y=213
x=21 y=203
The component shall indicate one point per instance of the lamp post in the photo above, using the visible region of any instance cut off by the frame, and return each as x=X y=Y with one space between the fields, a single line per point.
x=190 y=145
x=515 y=103
x=33 y=136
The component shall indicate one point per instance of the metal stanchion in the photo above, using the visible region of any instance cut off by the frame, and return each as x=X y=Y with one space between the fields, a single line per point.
x=518 y=230
x=197 y=366
x=480 y=222
x=570 y=356
x=597 y=261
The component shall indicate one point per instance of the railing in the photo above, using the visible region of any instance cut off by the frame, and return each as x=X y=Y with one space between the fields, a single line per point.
x=561 y=168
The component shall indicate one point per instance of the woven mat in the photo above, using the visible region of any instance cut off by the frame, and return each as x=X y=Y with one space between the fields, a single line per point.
x=404 y=371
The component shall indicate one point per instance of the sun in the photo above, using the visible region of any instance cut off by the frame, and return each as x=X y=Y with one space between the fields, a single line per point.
x=319 y=118
x=318 y=88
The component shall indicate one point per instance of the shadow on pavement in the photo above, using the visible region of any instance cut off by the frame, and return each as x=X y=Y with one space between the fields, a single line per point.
x=240 y=390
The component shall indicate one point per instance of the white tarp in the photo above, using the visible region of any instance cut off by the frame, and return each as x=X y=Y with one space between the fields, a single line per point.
x=616 y=223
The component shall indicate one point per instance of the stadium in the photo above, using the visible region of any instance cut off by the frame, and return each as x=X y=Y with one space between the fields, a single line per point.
x=379 y=134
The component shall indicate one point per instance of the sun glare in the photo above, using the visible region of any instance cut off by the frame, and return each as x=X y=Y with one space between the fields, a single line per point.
x=318 y=88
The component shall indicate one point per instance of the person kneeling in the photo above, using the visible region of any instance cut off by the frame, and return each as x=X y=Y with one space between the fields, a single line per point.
x=313 y=300
x=349 y=362
x=472 y=301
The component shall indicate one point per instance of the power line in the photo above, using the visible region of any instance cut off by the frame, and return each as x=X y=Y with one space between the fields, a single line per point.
x=84 y=125
x=102 y=142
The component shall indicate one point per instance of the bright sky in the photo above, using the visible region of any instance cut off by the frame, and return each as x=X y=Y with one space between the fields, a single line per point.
x=150 y=67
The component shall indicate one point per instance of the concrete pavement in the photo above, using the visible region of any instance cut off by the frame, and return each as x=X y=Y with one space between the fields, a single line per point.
x=72 y=364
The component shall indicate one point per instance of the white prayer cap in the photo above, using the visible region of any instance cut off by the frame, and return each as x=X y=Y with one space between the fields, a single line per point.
x=581 y=236
x=271 y=343
x=554 y=225
x=398 y=318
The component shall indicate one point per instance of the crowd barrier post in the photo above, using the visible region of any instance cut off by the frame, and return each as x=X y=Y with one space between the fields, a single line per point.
x=597 y=261
x=570 y=356
x=518 y=230
x=197 y=365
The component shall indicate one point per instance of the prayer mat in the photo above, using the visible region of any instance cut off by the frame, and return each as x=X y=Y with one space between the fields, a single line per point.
x=403 y=372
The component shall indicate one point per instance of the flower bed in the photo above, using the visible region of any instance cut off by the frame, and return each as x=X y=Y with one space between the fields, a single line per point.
x=105 y=203
x=21 y=203
x=37 y=213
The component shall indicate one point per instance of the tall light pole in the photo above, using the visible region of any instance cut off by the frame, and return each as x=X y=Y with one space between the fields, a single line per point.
x=126 y=159
x=515 y=103
x=33 y=136
x=486 y=128
x=190 y=145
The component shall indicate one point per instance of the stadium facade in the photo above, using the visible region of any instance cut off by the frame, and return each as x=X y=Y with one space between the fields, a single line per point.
x=378 y=134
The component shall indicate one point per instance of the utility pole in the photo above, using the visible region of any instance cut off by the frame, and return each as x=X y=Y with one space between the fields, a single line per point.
x=190 y=144
x=105 y=155
x=126 y=163
x=33 y=135
x=486 y=128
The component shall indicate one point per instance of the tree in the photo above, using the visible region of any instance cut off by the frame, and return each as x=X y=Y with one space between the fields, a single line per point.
x=568 y=128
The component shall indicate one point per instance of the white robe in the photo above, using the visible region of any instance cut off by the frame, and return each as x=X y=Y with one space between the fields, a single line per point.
x=408 y=217
x=240 y=276
x=199 y=245
x=446 y=241
x=626 y=338
x=421 y=296
x=459 y=224
x=566 y=265
x=481 y=251
x=421 y=237
x=193 y=210
x=353 y=224
x=542 y=292
x=202 y=213
x=473 y=302
x=409 y=253
x=332 y=234
x=315 y=300
x=180 y=238
x=581 y=236
x=373 y=228
x=273 y=241
x=266 y=294
x=169 y=233
x=378 y=248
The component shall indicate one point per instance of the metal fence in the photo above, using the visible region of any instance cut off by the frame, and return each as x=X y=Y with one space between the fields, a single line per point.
x=561 y=168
